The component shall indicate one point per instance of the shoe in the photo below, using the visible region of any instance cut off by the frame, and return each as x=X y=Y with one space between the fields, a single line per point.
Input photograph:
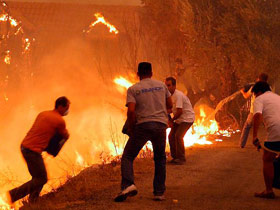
x=172 y=161
x=264 y=194
x=179 y=161
x=129 y=191
x=159 y=198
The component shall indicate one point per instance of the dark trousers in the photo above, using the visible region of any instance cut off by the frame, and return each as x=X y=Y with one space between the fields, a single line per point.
x=156 y=133
x=176 y=140
x=36 y=168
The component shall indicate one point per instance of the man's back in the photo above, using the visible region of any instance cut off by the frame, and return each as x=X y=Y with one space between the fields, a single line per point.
x=269 y=105
x=150 y=97
x=45 y=126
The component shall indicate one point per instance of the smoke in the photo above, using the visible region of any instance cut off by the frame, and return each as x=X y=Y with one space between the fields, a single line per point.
x=96 y=115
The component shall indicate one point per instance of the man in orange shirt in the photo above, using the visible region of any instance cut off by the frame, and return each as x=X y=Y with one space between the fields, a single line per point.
x=46 y=125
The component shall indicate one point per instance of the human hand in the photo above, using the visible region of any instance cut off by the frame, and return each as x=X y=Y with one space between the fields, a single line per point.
x=256 y=143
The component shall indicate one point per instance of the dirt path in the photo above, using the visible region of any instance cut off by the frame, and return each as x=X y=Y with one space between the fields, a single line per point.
x=221 y=176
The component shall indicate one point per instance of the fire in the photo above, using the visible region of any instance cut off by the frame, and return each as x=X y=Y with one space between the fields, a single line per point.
x=101 y=19
x=6 y=97
x=122 y=82
x=5 y=17
x=79 y=159
x=26 y=45
x=7 y=58
x=4 y=203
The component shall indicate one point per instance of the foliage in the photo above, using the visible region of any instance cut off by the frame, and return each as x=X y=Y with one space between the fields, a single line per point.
x=225 y=43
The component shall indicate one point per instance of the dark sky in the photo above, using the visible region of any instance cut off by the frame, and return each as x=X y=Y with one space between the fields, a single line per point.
x=104 y=2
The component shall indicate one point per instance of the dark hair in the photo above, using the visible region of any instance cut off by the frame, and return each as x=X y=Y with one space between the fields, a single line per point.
x=144 y=69
x=172 y=79
x=263 y=77
x=261 y=87
x=61 y=101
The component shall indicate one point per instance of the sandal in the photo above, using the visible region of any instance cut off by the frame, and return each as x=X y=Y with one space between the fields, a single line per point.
x=264 y=194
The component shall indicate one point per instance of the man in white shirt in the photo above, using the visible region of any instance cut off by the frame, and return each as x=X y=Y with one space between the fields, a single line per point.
x=147 y=103
x=266 y=109
x=181 y=122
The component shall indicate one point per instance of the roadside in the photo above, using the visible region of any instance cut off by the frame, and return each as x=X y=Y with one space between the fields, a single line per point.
x=219 y=176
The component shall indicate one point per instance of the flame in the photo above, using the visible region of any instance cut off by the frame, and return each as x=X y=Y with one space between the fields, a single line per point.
x=7 y=58
x=79 y=159
x=4 y=203
x=101 y=19
x=26 y=45
x=122 y=82
x=13 y=22
x=6 y=97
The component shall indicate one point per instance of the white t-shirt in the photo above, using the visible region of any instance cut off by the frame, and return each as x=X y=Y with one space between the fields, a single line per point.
x=150 y=96
x=268 y=104
x=180 y=100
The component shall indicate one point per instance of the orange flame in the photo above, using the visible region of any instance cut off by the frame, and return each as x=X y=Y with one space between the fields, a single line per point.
x=26 y=45
x=7 y=58
x=4 y=203
x=4 y=18
x=101 y=19
x=122 y=82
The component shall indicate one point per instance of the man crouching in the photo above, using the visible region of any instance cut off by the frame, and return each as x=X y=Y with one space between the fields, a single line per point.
x=46 y=125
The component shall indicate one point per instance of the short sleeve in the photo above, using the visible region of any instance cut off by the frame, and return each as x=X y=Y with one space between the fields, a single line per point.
x=258 y=106
x=130 y=98
x=179 y=101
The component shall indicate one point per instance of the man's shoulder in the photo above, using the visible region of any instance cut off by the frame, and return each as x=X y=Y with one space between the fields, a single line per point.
x=267 y=96
x=51 y=114
x=179 y=93
x=146 y=84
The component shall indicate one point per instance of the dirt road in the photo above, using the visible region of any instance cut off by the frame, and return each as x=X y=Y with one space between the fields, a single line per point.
x=220 y=176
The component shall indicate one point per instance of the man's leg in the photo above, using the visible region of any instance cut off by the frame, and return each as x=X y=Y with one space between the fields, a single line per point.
x=38 y=172
x=180 y=133
x=268 y=169
x=131 y=150
x=246 y=130
x=172 y=141
x=159 y=145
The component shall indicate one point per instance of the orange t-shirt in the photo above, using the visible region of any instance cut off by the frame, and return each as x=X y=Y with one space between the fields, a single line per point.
x=45 y=126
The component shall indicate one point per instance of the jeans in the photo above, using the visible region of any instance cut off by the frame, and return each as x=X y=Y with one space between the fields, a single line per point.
x=156 y=133
x=246 y=130
x=36 y=168
x=176 y=140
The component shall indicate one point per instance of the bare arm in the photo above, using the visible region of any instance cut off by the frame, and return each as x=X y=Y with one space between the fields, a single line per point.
x=169 y=103
x=63 y=131
x=256 y=124
x=178 y=113
x=131 y=117
x=247 y=94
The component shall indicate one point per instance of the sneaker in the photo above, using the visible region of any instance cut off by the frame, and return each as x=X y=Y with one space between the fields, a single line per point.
x=179 y=162
x=129 y=191
x=172 y=161
x=159 y=198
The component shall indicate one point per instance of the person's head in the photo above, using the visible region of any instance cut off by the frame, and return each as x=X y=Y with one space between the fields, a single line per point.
x=262 y=77
x=260 y=88
x=170 y=82
x=62 y=105
x=144 y=70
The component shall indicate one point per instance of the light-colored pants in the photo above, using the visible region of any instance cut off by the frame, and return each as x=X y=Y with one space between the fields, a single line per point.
x=246 y=130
